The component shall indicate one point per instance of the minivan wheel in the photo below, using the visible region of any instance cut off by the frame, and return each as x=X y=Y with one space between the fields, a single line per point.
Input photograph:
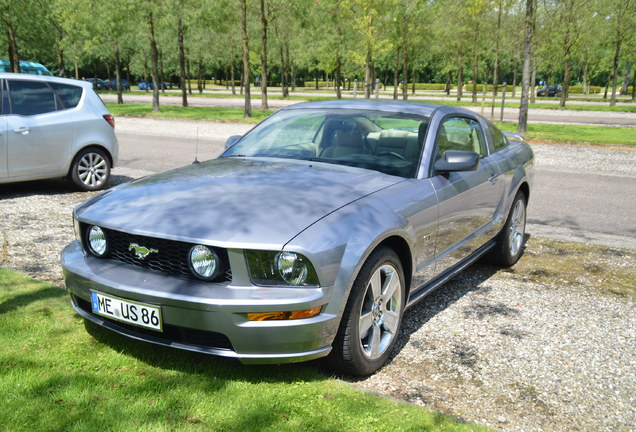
x=90 y=170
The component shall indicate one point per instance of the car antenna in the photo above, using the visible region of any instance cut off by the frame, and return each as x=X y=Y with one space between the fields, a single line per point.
x=196 y=149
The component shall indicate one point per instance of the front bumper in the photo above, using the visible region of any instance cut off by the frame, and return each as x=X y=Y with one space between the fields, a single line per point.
x=206 y=317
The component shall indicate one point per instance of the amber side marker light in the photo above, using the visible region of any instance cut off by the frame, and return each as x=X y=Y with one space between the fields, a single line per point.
x=290 y=315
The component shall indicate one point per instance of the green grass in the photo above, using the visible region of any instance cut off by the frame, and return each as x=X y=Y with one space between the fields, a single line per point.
x=330 y=95
x=576 y=133
x=58 y=373
x=192 y=113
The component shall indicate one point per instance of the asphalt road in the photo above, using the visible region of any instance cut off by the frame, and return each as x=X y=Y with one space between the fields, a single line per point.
x=564 y=204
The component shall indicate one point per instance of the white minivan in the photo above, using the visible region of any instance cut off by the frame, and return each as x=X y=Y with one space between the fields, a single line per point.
x=54 y=127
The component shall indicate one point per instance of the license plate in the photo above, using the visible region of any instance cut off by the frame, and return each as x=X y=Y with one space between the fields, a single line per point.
x=130 y=312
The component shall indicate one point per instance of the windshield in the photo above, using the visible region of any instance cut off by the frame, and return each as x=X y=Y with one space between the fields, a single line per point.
x=388 y=142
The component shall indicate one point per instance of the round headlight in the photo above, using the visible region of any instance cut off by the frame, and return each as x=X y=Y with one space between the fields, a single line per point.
x=97 y=243
x=203 y=262
x=292 y=267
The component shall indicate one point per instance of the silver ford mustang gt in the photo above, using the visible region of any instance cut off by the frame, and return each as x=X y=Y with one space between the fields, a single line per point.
x=308 y=237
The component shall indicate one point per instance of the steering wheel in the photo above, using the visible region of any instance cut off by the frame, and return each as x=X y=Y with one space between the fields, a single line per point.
x=390 y=153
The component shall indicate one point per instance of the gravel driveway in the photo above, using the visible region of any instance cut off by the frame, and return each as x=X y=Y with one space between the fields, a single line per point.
x=548 y=345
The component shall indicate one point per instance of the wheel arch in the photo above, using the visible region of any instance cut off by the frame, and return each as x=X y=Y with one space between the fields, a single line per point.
x=87 y=147
x=525 y=189
x=403 y=251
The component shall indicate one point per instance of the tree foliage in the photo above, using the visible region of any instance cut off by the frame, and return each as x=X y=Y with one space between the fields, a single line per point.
x=304 y=42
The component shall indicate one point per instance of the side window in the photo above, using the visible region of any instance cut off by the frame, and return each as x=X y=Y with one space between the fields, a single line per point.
x=69 y=95
x=30 y=97
x=458 y=133
x=498 y=138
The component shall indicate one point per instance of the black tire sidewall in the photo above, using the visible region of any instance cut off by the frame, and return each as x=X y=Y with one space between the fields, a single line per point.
x=501 y=253
x=75 y=171
x=347 y=344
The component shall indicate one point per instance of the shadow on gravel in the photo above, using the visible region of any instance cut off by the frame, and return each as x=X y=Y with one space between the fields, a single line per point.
x=51 y=187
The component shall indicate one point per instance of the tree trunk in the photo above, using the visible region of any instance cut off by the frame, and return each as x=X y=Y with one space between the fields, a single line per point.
x=182 y=62
x=566 y=80
x=615 y=71
x=447 y=88
x=586 y=87
x=609 y=78
x=475 y=65
x=368 y=73
x=154 y=54
x=634 y=87
x=14 y=57
x=200 y=76
x=522 y=127
x=514 y=78
x=396 y=75
x=533 y=80
x=625 y=86
x=60 y=54
x=293 y=75
x=232 y=77
x=495 y=78
x=263 y=57
x=405 y=76
x=246 y=59
x=120 y=97
x=287 y=68
x=161 y=74
x=460 y=78
x=338 y=76
x=189 y=75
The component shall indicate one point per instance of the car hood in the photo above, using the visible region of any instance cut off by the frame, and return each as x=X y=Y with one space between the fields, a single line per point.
x=234 y=202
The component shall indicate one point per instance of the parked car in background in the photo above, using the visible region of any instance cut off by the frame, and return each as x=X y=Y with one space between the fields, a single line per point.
x=98 y=84
x=54 y=127
x=308 y=237
x=124 y=84
x=143 y=85
x=26 y=67
x=554 y=90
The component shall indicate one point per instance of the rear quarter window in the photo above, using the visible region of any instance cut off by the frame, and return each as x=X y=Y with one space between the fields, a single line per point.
x=68 y=95
x=498 y=138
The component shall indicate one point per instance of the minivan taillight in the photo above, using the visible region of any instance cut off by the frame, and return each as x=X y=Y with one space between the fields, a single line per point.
x=110 y=119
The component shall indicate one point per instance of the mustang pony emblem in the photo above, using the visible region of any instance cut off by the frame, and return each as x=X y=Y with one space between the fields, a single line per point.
x=141 y=251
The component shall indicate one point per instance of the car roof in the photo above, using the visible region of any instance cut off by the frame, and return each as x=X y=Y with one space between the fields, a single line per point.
x=31 y=77
x=415 y=108
x=393 y=106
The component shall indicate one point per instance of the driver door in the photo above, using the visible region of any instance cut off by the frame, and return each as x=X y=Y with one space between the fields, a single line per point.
x=468 y=200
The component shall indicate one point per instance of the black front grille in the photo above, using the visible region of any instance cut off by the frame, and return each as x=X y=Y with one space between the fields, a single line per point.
x=170 y=333
x=168 y=256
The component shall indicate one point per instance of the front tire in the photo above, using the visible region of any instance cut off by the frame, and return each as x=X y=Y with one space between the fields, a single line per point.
x=373 y=316
x=90 y=170
x=511 y=239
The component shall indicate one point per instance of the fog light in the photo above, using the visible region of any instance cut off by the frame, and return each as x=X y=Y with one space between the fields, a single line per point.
x=203 y=262
x=97 y=243
x=289 y=315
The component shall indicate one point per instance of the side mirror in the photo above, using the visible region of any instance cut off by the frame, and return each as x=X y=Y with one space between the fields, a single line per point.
x=231 y=140
x=457 y=160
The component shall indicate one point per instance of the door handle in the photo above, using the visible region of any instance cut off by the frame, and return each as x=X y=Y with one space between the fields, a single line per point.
x=493 y=178
x=22 y=130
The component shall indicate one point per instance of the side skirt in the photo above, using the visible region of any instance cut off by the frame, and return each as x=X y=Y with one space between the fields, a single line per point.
x=441 y=279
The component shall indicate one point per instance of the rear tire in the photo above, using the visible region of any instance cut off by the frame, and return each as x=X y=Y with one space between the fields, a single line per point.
x=90 y=170
x=372 y=318
x=511 y=239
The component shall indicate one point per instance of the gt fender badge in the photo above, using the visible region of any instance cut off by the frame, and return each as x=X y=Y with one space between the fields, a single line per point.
x=140 y=251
